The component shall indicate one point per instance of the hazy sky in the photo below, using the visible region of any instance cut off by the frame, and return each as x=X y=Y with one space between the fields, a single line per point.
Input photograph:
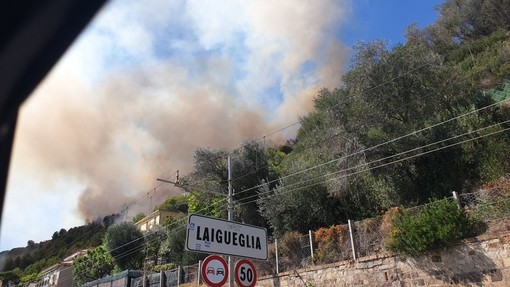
x=148 y=82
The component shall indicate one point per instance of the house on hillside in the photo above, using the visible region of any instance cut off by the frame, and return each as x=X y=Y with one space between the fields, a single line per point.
x=156 y=219
x=60 y=274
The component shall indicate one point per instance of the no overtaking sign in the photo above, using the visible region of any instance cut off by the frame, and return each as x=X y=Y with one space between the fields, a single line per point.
x=212 y=235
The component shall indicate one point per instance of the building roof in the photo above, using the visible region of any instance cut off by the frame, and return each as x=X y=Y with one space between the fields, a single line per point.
x=156 y=213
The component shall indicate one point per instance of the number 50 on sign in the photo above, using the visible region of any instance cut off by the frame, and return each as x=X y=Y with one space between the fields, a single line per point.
x=245 y=273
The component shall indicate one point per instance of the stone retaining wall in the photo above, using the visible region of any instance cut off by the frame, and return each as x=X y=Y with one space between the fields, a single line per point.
x=474 y=262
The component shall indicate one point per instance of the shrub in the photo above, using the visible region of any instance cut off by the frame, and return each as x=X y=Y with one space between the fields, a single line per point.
x=290 y=247
x=328 y=242
x=167 y=266
x=436 y=226
x=267 y=267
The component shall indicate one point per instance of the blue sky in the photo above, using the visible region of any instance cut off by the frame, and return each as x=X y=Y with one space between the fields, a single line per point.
x=387 y=19
x=148 y=83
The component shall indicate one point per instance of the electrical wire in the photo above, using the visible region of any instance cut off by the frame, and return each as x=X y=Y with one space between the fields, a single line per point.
x=291 y=125
x=374 y=147
x=178 y=227
x=381 y=165
x=131 y=251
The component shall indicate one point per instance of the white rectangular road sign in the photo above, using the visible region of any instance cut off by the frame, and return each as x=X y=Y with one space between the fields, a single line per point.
x=212 y=235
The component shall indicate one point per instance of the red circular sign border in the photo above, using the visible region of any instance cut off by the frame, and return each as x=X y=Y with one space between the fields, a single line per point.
x=203 y=269
x=238 y=265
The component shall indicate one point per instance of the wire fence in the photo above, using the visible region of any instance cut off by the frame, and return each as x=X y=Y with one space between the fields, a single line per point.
x=328 y=245
x=487 y=205
x=369 y=236
x=366 y=237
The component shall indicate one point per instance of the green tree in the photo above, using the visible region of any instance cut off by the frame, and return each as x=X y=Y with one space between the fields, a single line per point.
x=125 y=243
x=249 y=168
x=30 y=278
x=31 y=244
x=138 y=217
x=176 y=203
x=96 y=264
x=173 y=250
x=465 y=20
x=209 y=176
x=389 y=94
x=300 y=210
x=11 y=277
x=153 y=241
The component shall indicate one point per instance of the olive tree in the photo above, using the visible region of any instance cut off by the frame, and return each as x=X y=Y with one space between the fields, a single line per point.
x=125 y=243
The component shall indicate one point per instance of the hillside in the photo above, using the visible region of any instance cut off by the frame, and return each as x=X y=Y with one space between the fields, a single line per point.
x=405 y=125
x=37 y=256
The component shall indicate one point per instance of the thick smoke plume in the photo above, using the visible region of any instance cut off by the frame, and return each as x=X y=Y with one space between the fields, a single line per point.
x=116 y=127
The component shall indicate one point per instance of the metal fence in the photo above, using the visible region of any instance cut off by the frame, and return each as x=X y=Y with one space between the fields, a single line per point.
x=327 y=245
x=353 y=240
x=488 y=204
x=139 y=278
x=366 y=237
x=369 y=237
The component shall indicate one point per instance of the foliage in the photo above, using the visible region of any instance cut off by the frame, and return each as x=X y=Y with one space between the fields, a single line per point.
x=96 y=264
x=207 y=204
x=492 y=202
x=172 y=249
x=383 y=137
x=30 y=278
x=388 y=218
x=436 y=226
x=267 y=267
x=328 y=242
x=175 y=203
x=138 y=217
x=125 y=243
x=289 y=246
x=168 y=266
x=11 y=277
x=209 y=177
x=465 y=20
x=249 y=167
x=38 y=256
x=298 y=209
x=153 y=241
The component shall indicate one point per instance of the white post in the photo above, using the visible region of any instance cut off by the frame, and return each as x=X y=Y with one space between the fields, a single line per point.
x=276 y=255
x=199 y=279
x=311 y=243
x=352 y=240
x=178 y=275
x=230 y=261
x=456 y=198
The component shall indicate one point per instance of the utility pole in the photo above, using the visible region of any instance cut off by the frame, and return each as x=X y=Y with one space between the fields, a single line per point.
x=230 y=213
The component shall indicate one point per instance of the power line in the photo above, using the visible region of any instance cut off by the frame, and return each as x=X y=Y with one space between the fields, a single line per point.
x=375 y=167
x=378 y=166
x=376 y=146
x=178 y=227
x=270 y=134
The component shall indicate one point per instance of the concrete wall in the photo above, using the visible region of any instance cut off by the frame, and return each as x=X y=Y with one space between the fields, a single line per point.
x=474 y=262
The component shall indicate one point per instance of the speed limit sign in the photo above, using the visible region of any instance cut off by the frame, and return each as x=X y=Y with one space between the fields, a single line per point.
x=246 y=275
